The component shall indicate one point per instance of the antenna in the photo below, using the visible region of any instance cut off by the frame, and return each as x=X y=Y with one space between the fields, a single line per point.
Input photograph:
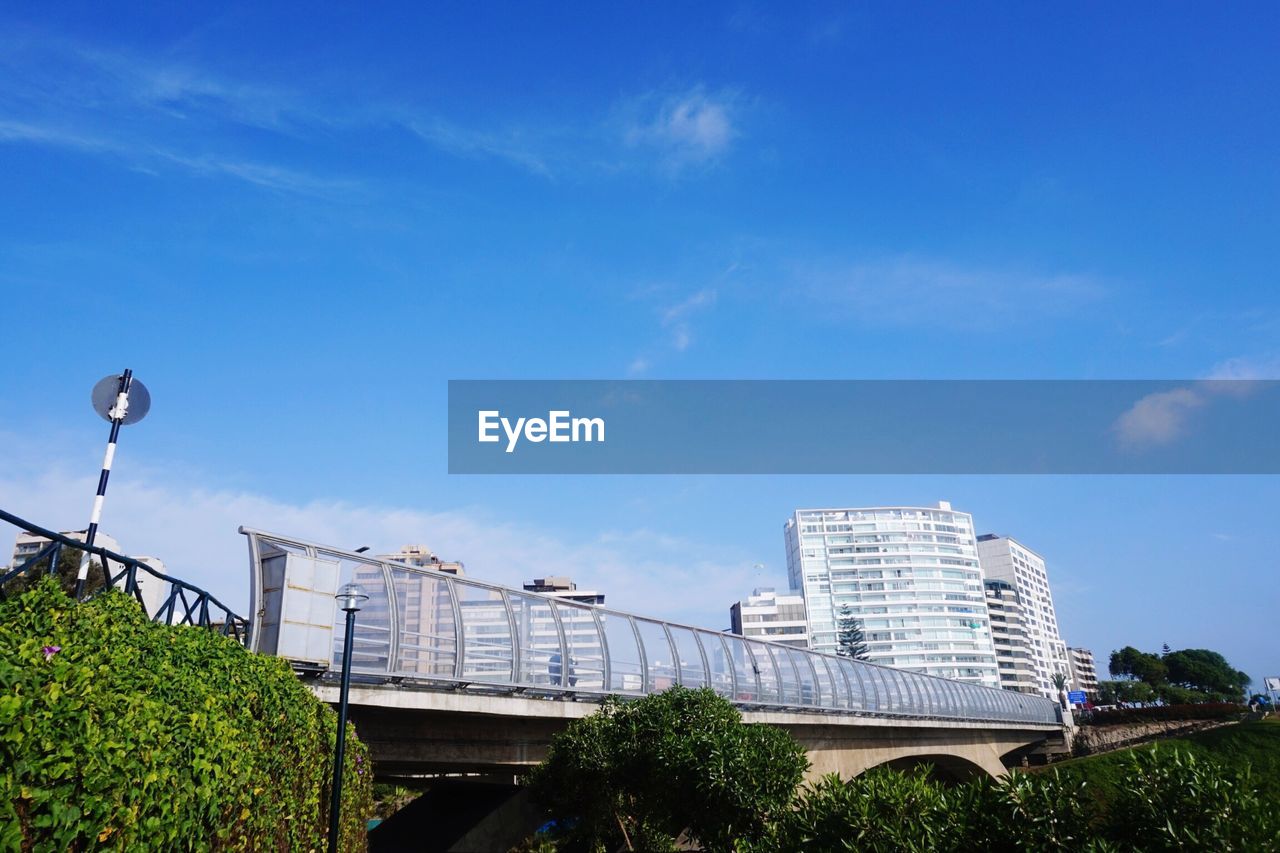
x=119 y=399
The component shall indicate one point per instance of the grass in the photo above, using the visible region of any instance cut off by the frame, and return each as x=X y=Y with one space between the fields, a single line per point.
x=1256 y=744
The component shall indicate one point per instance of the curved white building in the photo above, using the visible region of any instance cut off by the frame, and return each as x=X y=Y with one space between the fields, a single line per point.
x=910 y=574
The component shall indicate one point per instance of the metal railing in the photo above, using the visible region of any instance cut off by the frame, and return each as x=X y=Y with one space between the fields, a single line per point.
x=428 y=628
x=184 y=604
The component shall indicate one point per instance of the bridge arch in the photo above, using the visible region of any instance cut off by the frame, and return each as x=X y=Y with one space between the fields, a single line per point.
x=949 y=769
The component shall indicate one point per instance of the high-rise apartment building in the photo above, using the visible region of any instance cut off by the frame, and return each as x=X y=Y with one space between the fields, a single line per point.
x=1009 y=635
x=1084 y=675
x=425 y=614
x=765 y=615
x=909 y=574
x=1009 y=560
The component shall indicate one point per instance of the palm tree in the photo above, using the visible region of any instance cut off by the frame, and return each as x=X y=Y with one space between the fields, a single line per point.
x=1060 y=682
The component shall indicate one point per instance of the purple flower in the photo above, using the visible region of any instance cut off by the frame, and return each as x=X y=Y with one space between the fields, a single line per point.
x=50 y=651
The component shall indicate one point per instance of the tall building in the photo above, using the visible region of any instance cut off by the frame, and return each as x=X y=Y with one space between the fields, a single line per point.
x=909 y=574
x=1009 y=560
x=1084 y=675
x=425 y=614
x=765 y=615
x=1009 y=636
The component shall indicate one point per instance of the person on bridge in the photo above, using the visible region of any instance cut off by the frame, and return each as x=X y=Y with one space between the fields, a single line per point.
x=554 y=669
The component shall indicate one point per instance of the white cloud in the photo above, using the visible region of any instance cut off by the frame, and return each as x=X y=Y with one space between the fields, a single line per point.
x=1158 y=418
x=194 y=531
x=690 y=128
x=1164 y=416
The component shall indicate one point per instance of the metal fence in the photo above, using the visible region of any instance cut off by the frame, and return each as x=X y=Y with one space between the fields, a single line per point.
x=430 y=628
x=184 y=604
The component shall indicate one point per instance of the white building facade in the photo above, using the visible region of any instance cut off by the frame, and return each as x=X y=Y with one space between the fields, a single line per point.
x=909 y=574
x=1084 y=673
x=766 y=615
x=1009 y=560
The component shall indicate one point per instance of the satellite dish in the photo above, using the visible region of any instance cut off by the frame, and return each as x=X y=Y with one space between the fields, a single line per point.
x=104 y=399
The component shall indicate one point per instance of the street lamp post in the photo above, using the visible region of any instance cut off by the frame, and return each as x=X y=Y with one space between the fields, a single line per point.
x=349 y=599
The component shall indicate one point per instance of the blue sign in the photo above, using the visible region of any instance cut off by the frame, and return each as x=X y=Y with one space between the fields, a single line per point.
x=1077 y=697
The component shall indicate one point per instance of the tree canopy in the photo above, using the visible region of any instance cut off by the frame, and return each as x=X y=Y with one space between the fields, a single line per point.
x=638 y=774
x=1186 y=675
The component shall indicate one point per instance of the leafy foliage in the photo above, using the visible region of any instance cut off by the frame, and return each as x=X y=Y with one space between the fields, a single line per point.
x=1161 y=713
x=638 y=774
x=851 y=642
x=1176 y=677
x=68 y=569
x=122 y=734
x=1142 y=666
x=1174 y=801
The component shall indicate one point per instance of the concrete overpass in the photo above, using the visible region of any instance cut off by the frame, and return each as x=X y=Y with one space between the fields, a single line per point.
x=419 y=732
x=457 y=675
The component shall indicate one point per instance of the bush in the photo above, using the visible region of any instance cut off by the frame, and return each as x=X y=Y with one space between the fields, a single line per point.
x=1164 y=713
x=882 y=810
x=1173 y=801
x=116 y=732
x=638 y=774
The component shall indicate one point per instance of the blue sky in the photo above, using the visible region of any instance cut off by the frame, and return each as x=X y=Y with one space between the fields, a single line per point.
x=296 y=224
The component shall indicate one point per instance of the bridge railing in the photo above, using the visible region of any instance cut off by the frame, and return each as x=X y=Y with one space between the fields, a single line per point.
x=430 y=628
x=183 y=604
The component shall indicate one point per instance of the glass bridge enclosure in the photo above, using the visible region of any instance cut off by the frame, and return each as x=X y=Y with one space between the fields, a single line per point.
x=430 y=628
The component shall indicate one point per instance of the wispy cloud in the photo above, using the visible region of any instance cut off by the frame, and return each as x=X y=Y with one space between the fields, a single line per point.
x=909 y=291
x=677 y=317
x=158 y=111
x=514 y=146
x=691 y=128
x=149 y=158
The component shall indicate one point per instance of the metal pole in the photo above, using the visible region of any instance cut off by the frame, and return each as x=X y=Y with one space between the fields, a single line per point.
x=126 y=379
x=335 y=800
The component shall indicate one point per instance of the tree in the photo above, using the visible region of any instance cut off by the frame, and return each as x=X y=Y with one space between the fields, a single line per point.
x=68 y=569
x=1206 y=672
x=1132 y=663
x=639 y=774
x=1060 y=684
x=1124 y=692
x=851 y=643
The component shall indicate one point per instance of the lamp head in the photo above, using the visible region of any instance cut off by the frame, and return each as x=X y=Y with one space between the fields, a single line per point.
x=350 y=597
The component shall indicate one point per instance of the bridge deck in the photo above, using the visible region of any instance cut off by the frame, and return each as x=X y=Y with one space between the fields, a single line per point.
x=429 y=629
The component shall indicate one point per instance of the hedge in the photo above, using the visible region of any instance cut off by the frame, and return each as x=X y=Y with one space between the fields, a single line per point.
x=1164 y=713
x=119 y=733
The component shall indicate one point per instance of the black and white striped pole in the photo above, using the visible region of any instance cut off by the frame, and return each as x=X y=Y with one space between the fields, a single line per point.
x=122 y=400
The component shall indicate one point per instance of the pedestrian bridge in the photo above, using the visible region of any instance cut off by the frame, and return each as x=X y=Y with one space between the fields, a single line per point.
x=454 y=674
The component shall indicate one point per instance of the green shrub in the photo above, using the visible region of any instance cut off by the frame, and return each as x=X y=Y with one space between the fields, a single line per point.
x=1022 y=811
x=1165 y=713
x=637 y=774
x=1171 y=800
x=119 y=733
x=881 y=810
